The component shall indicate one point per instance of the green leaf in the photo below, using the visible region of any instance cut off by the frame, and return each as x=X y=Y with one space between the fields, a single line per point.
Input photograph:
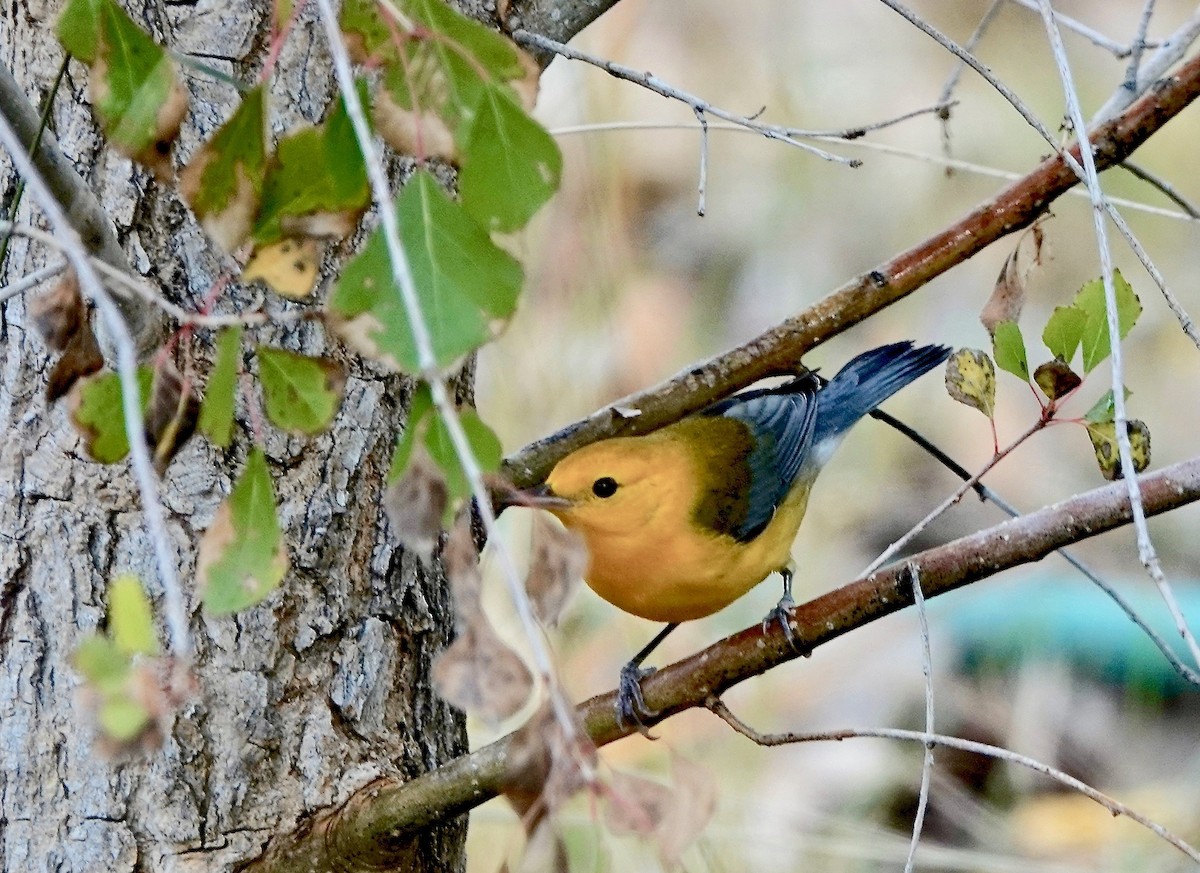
x=302 y=393
x=223 y=182
x=134 y=87
x=1064 y=331
x=1104 y=442
x=1009 y=348
x=242 y=557
x=465 y=283
x=511 y=165
x=130 y=619
x=1104 y=409
x=421 y=406
x=216 y=414
x=485 y=446
x=971 y=380
x=1090 y=299
x=316 y=182
x=96 y=412
x=122 y=718
x=102 y=663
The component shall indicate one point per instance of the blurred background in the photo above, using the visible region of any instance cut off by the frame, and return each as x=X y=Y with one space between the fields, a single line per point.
x=627 y=285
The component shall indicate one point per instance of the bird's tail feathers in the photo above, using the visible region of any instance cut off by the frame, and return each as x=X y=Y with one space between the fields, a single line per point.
x=866 y=382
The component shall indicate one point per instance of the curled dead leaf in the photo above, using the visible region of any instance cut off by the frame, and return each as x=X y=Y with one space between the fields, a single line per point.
x=59 y=313
x=557 y=563
x=1008 y=296
x=80 y=358
x=171 y=416
x=415 y=504
x=480 y=674
x=543 y=767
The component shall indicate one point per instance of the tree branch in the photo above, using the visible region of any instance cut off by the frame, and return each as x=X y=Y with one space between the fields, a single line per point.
x=778 y=351
x=376 y=826
x=80 y=205
x=560 y=20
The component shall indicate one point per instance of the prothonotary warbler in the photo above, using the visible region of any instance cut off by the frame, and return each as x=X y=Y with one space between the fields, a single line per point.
x=681 y=522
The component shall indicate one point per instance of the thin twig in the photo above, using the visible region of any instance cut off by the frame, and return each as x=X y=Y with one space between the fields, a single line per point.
x=1117 y=49
x=1170 y=50
x=1166 y=188
x=914 y=575
x=962 y=489
x=1146 y=550
x=719 y=709
x=127 y=362
x=703 y=120
x=431 y=373
x=658 y=86
x=1137 y=47
x=956 y=73
x=987 y=494
x=29 y=280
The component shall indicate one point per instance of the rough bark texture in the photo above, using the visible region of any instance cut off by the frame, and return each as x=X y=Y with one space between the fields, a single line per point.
x=300 y=701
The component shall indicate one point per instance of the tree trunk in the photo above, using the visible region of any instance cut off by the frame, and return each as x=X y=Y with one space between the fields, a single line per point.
x=299 y=701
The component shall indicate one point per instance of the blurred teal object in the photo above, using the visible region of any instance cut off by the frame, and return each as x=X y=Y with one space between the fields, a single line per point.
x=1072 y=621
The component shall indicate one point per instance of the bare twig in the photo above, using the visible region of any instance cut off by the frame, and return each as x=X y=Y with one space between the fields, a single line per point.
x=931 y=739
x=702 y=119
x=927 y=762
x=371 y=829
x=1168 y=190
x=127 y=361
x=956 y=74
x=30 y=280
x=431 y=373
x=1094 y=36
x=1170 y=50
x=1136 y=48
x=658 y=86
x=1146 y=550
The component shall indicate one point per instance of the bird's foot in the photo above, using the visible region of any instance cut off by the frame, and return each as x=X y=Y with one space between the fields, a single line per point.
x=631 y=705
x=782 y=615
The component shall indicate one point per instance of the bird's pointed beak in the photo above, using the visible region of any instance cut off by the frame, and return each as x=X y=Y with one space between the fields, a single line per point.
x=539 y=497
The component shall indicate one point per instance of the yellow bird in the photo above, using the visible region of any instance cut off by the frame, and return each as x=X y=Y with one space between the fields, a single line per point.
x=681 y=522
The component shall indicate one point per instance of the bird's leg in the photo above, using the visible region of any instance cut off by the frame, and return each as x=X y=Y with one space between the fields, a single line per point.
x=631 y=706
x=782 y=613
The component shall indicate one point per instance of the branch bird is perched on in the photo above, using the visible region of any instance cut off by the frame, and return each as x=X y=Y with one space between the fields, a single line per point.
x=681 y=522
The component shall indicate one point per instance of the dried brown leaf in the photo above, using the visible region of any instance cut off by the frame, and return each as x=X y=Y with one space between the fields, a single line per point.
x=695 y=802
x=1008 y=295
x=542 y=770
x=462 y=571
x=171 y=416
x=479 y=674
x=80 y=358
x=59 y=313
x=556 y=566
x=412 y=131
x=415 y=504
x=636 y=805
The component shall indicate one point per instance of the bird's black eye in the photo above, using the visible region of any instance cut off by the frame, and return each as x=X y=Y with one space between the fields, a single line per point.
x=605 y=487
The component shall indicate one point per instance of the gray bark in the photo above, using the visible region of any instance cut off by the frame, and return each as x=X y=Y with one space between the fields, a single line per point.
x=298 y=701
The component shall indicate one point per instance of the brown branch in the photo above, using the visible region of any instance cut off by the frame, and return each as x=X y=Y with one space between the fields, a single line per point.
x=375 y=828
x=778 y=351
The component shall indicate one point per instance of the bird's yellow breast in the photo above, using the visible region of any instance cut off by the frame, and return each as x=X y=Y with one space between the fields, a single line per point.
x=649 y=555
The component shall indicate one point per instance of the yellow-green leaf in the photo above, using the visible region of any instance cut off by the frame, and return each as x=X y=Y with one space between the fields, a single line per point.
x=971 y=380
x=1104 y=442
x=130 y=619
x=96 y=412
x=1095 y=341
x=102 y=663
x=122 y=718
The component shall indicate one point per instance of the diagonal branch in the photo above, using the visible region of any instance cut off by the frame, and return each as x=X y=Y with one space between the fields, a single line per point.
x=375 y=828
x=778 y=351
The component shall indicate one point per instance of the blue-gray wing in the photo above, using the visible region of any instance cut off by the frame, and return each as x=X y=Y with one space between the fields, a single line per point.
x=781 y=422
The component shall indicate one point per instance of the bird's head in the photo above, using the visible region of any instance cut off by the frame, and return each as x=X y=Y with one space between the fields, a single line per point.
x=617 y=485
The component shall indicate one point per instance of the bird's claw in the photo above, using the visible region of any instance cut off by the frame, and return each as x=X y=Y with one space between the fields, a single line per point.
x=631 y=705
x=782 y=615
